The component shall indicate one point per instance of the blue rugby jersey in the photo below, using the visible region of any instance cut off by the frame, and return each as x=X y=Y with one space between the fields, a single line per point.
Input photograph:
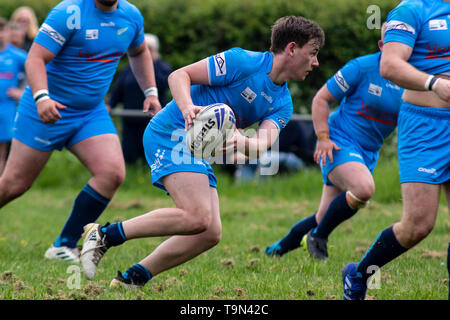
x=88 y=44
x=12 y=64
x=424 y=26
x=238 y=78
x=369 y=104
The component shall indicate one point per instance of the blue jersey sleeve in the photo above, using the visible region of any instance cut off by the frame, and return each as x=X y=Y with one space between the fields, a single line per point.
x=345 y=80
x=139 y=37
x=404 y=22
x=282 y=114
x=57 y=28
x=232 y=65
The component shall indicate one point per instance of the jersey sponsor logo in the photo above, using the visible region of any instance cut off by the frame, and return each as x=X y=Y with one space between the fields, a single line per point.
x=122 y=30
x=241 y=122
x=393 y=86
x=432 y=171
x=107 y=24
x=100 y=57
x=52 y=33
x=375 y=90
x=248 y=95
x=374 y=114
x=267 y=97
x=438 y=24
x=438 y=52
x=6 y=75
x=400 y=25
x=340 y=80
x=220 y=64
x=91 y=34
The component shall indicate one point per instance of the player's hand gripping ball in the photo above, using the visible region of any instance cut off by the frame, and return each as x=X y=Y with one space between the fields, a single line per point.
x=211 y=128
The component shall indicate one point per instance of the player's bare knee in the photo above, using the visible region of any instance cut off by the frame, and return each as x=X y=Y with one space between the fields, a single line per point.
x=420 y=232
x=412 y=234
x=357 y=201
x=364 y=191
x=214 y=236
x=14 y=188
x=111 y=178
x=198 y=220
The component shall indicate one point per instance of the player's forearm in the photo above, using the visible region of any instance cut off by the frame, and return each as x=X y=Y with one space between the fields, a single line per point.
x=36 y=74
x=403 y=73
x=143 y=70
x=257 y=145
x=180 y=87
x=320 y=113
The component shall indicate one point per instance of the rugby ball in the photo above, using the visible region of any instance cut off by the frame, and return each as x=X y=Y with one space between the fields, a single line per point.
x=210 y=129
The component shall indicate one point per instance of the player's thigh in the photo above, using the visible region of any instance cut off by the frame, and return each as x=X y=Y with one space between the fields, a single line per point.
x=190 y=191
x=420 y=205
x=101 y=153
x=353 y=176
x=24 y=164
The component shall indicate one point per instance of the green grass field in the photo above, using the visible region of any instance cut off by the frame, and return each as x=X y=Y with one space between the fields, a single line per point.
x=254 y=215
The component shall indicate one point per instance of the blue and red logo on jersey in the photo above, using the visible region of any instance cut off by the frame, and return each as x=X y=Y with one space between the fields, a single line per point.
x=438 y=52
x=377 y=115
x=104 y=57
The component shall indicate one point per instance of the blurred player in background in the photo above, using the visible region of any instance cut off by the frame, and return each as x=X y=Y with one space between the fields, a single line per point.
x=69 y=68
x=347 y=148
x=254 y=85
x=12 y=65
x=415 y=57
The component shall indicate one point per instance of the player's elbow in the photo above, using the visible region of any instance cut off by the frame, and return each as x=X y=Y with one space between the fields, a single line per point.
x=388 y=69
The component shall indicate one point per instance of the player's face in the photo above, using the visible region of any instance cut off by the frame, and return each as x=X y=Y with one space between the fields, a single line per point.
x=305 y=59
x=108 y=3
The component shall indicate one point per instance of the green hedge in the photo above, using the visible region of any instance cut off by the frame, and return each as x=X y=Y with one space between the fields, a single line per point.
x=193 y=29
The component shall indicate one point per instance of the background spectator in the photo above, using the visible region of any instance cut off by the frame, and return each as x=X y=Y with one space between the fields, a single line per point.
x=128 y=92
x=26 y=17
x=12 y=64
x=16 y=35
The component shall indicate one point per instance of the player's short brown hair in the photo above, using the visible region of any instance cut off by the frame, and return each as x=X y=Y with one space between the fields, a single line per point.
x=294 y=29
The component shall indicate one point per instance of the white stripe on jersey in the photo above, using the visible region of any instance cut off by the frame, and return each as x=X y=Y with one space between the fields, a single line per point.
x=55 y=35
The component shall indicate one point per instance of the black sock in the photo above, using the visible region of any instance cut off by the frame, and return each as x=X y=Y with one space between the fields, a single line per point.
x=87 y=207
x=385 y=249
x=138 y=274
x=292 y=240
x=114 y=234
x=337 y=212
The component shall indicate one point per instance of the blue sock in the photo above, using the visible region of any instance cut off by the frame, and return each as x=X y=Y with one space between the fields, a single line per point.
x=385 y=249
x=338 y=211
x=292 y=240
x=87 y=207
x=138 y=274
x=114 y=234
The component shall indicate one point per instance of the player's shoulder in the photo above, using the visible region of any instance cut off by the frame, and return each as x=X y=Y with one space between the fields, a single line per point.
x=368 y=62
x=246 y=54
x=129 y=8
x=250 y=61
x=413 y=6
x=65 y=4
